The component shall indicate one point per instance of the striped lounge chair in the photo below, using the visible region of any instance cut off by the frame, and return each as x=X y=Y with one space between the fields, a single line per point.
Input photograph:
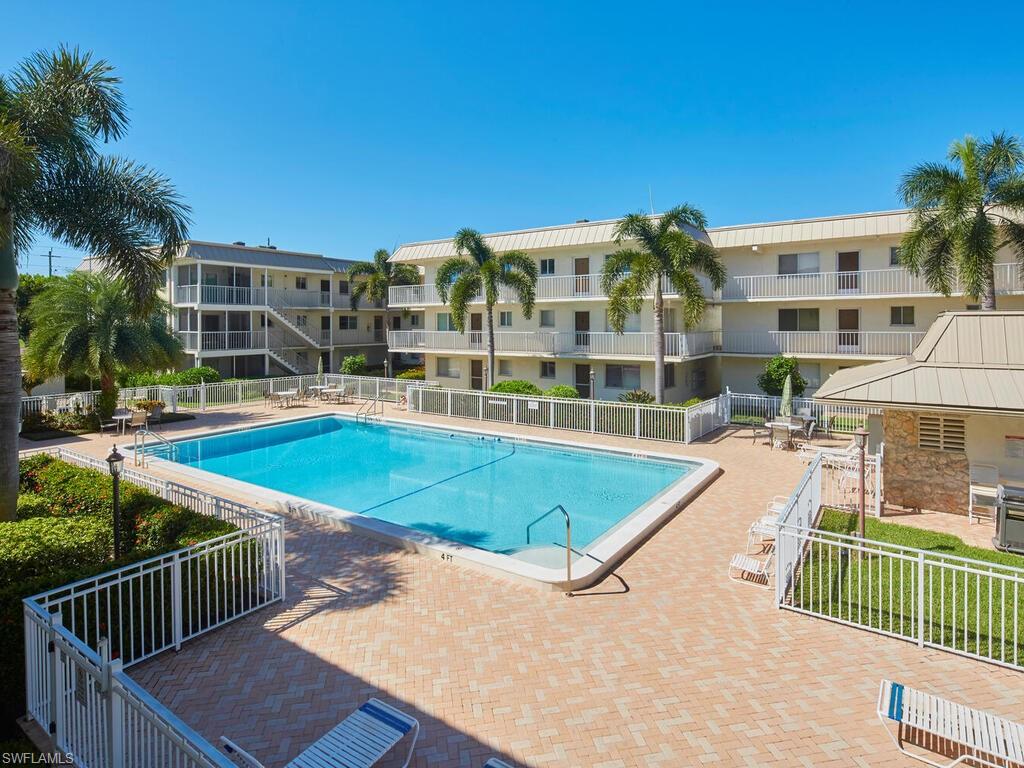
x=358 y=741
x=980 y=738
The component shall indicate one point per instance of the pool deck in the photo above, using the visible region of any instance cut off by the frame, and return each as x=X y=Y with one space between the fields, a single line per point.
x=664 y=663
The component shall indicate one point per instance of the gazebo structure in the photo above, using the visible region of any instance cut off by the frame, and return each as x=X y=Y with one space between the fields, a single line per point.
x=957 y=402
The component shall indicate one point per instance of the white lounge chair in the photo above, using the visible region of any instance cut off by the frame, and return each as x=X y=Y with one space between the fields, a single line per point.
x=761 y=532
x=749 y=570
x=359 y=741
x=983 y=738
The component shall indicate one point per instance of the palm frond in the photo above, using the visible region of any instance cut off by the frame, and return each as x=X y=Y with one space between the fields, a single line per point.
x=624 y=299
x=524 y=287
x=463 y=291
x=925 y=186
x=686 y=215
x=116 y=210
x=449 y=272
x=469 y=242
x=638 y=227
x=691 y=294
x=356 y=292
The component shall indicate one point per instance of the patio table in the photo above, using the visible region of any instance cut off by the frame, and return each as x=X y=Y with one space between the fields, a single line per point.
x=793 y=429
x=122 y=419
x=288 y=395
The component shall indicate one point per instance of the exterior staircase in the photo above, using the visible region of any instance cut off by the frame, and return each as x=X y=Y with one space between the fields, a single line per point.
x=283 y=319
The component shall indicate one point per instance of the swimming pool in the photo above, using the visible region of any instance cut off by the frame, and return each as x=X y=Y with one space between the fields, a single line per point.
x=498 y=495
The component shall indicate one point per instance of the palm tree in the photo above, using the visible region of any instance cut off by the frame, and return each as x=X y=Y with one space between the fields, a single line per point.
x=963 y=212
x=54 y=109
x=86 y=325
x=477 y=269
x=673 y=246
x=380 y=275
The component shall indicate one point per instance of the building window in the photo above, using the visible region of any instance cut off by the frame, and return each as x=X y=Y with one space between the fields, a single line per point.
x=670 y=375
x=811 y=373
x=547 y=318
x=266 y=281
x=300 y=283
x=505 y=319
x=622 y=376
x=414 y=320
x=348 y=323
x=901 y=315
x=798 y=263
x=444 y=321
x=798 y=319
x=547 y=266
x=343 y=287
x=940 y=433
x=547 y=369
x=446 y=369
x=301 y=320
x=632 y=324
x=504 y=367
x=698 y=379
x=973 y=307
x=894 y=256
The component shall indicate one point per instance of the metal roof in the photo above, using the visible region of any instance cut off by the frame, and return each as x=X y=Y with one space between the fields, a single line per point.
x=968 y=361
x=263 y=257
x=603 y=232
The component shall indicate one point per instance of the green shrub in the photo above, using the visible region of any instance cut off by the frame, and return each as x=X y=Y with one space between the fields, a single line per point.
x=773 y=378
x=563 y=391
x=641 y=396
x=516 y=387
x=106 y=402
x=184 y=378
x=32 y=505
x=354 y=365
x=32 y=547
x=692 y=401
x=413 y=374
x=167 y=526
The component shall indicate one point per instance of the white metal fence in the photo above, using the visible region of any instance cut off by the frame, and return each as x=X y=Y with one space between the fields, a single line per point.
x=650 y=422
x=969 y=607
x=78 y=637
x=757 y=409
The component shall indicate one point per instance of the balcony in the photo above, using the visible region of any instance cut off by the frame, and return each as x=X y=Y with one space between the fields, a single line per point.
x=281 y=298
x=212 y=341
x=569 y=344
x=821 y=343
x=549 y=288
x=896 y=281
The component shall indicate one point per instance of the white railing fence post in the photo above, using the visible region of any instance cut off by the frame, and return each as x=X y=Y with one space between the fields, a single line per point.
x=239 y=393
x=56 y=724
x=920 y=599
x=449 y=402
x=636 y=421
x=176 y=602
x=202 y=395
x=593 y=415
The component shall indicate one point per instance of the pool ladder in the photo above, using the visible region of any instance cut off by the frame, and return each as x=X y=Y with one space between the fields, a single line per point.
x=568 y=543
x=373 y=408
x=140 y=455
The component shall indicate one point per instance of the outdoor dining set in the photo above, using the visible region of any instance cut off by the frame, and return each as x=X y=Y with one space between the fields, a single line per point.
x=326 y=393
x=785 y=432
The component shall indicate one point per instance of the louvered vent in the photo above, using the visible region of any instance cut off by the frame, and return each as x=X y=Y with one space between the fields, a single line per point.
x=941 y=433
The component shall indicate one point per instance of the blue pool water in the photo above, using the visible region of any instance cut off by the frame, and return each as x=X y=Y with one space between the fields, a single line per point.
x=475 y=490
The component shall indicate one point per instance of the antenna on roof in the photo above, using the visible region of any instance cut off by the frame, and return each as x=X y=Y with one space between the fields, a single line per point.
x=650 y=198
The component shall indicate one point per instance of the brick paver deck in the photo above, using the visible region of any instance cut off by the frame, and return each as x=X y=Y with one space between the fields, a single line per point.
x=666 y=663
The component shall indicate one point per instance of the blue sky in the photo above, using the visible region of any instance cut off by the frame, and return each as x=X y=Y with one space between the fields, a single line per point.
x=339 y=128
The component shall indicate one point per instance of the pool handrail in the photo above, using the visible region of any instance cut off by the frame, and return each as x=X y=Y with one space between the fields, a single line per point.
x=142 y=432
x=568 y=543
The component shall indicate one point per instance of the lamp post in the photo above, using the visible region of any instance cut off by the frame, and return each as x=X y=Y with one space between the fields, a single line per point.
x=115 y=461
x=386 y=356
x=593 y=378
x=860 y=436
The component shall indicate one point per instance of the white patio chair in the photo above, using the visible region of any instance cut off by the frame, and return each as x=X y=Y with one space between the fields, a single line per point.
x=358 y=741
x=983 y=738
x=983 y=491
x=775 y=507
x=746 y=569
x=762 y=532
x=780 y=437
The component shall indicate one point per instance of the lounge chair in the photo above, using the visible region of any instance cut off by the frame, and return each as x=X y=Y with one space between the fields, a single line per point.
x=358 y=741
x=496 y=763
x=762 y=532
x=746 y=569
x=982 y=738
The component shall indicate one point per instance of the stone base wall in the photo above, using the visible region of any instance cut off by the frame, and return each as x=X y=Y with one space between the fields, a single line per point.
x=921 y=479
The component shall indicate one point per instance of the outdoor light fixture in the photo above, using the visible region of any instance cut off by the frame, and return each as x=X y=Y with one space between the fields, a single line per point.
x=593 y=378
x=860 y=437
x=115 y=461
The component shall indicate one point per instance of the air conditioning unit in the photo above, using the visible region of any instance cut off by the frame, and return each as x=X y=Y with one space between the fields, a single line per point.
x=1009 y=521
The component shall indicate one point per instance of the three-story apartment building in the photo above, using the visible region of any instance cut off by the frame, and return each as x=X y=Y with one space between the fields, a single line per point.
x=828 y=291
x=251 y=311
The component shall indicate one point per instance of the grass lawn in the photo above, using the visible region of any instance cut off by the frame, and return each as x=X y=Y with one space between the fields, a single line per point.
x=54 y=434
x=978 y=610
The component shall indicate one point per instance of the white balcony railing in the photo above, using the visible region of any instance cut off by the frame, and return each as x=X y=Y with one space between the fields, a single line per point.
x=896 y=281
x=287 y=298
x=558 y=343
x=207 y=341
x=864 y=343
x=549 y=288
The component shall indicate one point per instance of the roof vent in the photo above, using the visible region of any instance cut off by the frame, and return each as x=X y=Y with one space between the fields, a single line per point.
x=582 y=221
x=270 y=247
x=239 y=242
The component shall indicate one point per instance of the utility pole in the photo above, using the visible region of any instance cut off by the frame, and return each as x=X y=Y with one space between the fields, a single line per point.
x=49 y=258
